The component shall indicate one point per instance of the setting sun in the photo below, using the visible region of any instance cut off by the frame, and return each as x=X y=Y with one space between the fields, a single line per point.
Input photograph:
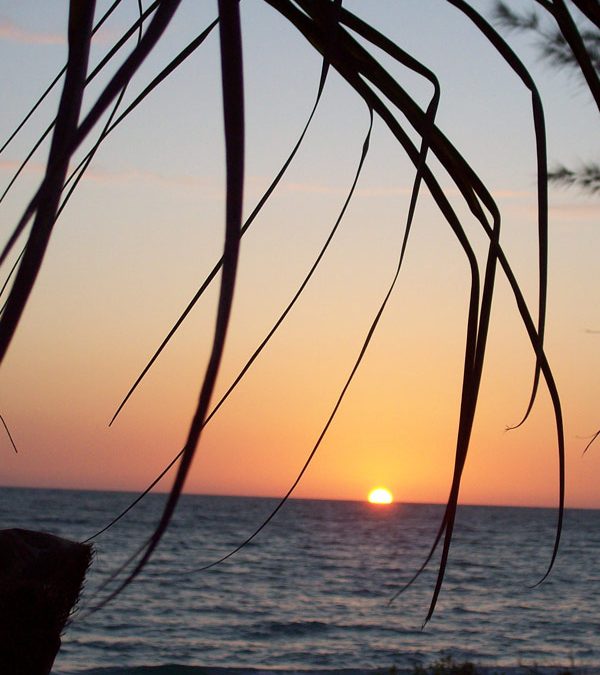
x=380 y=495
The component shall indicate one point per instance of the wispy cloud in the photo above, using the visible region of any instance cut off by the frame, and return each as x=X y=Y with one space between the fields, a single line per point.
x=131 y=175
x=373 y=191
x=208 y=187
x=13 y=33
x=291 y=187
x=12 y=165
x=570 y=213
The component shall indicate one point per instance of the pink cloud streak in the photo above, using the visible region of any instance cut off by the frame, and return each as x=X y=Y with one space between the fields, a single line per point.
x=12 y=32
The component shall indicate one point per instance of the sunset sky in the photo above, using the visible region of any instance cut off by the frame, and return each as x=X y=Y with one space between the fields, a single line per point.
x=145 y=227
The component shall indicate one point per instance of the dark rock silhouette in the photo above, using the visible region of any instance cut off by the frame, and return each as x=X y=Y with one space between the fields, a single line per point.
x=41 y=576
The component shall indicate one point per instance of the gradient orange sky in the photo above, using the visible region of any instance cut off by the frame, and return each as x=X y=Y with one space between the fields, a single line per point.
x=145 y=228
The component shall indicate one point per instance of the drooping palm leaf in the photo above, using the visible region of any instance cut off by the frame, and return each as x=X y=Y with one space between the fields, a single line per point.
x=233 y=113
x=589 y=445
x=216 y=268
x=52 y=84
x=351 y=64
x=575 y=41
x=65 y=142
x=80 y=26
x=158 y=24
x=77 y=174
x=252 y=359
x=10 y=438
x=97 y=70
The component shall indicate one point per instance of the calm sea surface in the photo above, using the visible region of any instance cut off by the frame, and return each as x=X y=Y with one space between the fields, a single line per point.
x=311 y=592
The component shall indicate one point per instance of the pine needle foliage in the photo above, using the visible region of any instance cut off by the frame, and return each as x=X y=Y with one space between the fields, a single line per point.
x=557 y=52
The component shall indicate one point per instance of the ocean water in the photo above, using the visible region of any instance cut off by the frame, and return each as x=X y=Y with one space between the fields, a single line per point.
x=312 y=591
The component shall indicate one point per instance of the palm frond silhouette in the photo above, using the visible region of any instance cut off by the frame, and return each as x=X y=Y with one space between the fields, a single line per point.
x=359 y=53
